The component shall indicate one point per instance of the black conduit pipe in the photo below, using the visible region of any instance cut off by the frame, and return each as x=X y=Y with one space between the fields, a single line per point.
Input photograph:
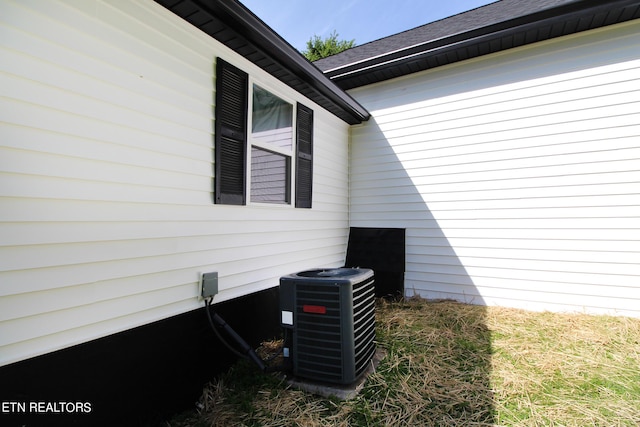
x=246 y=351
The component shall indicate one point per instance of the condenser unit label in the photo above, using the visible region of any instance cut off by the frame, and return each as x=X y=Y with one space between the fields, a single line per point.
x=287 y=317
x=316 y=309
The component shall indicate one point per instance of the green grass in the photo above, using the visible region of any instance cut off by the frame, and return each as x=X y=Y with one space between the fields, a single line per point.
x=452 y=364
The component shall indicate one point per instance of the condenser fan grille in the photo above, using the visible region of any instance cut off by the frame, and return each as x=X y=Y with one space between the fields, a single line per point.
x=319 y=345
x=364 y=325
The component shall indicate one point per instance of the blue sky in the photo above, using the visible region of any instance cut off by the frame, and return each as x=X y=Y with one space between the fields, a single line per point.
x=363 y=20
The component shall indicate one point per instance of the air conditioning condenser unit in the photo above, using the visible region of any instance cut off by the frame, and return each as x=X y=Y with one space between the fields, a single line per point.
x=328 y=318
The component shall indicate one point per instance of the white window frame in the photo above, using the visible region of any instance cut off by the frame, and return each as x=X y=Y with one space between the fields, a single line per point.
x=251 y=142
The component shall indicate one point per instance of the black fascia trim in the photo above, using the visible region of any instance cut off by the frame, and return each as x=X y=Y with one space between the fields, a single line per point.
x=248 y=26
x=363 y=71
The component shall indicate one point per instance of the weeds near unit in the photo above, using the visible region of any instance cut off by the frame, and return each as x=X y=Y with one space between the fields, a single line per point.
x=452 y=364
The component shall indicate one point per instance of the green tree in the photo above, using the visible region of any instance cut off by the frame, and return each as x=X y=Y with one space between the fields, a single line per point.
x=317 y=48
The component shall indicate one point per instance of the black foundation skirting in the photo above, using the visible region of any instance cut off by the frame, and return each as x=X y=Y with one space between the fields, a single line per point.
x=137 y=377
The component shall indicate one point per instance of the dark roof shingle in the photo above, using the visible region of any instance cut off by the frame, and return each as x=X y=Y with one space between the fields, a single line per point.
x=497 y=26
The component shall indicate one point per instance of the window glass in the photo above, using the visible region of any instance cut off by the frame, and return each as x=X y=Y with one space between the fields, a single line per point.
x=272 y=119
x=270 y=176
x=271 y=147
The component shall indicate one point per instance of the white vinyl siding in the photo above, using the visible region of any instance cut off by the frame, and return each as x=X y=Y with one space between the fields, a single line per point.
x=516 y=175
x=107 y=217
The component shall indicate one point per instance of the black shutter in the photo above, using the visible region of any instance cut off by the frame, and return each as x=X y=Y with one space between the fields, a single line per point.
x=232 y=86
x=304 y=156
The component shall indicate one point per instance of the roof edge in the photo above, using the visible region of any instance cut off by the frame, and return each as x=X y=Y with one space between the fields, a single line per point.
x=444 y=45
x=253 y=30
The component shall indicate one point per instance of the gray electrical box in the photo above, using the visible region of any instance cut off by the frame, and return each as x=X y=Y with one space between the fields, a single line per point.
x=209 y=284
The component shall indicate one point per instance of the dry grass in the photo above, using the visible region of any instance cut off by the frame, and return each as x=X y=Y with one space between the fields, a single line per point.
x=561 y=369
x=451 y=364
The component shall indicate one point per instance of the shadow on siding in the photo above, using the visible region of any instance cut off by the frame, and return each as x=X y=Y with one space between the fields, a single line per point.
x=385 y=195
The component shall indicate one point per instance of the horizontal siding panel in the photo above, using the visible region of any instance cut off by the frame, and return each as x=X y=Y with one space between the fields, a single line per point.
x=60 y=276
x=553 y=290
x=330 y=187
x=620 y=137
x=608 y=271
x=27 y=304
x=230 y=233
x=574 y=194
x=195 y=160
x=481 y=277
x=41 y=164
x=580 y=153
x=60 y=123
x=73 y=301
x=93 y=37
x=467 y=173
x=504 y=214
x=519 y=229
x=106 y=173
x=410 y=195
x=623 y=202
x=585 y=245
x=515 y=175
x=40 y=256
x=16 y=209
x=85 y=332
x=42 y=77
x=60 y=67
x=30 y=186
x=545 y=299
x=507 y=125
x=524 y=176
x=165 y=254
x=502 y=163
x=581 y=298
x=605 y=82
x=620 y=261
x=575 y=182
x=36 y=326
x=242 y=280
x=83 y=108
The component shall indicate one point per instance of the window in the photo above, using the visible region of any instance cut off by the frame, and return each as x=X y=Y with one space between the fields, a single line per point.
x=271 y=147
x=278 y=159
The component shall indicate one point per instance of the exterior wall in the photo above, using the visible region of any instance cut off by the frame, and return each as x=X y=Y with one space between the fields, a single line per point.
x=516 y=175
x=106 y=152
